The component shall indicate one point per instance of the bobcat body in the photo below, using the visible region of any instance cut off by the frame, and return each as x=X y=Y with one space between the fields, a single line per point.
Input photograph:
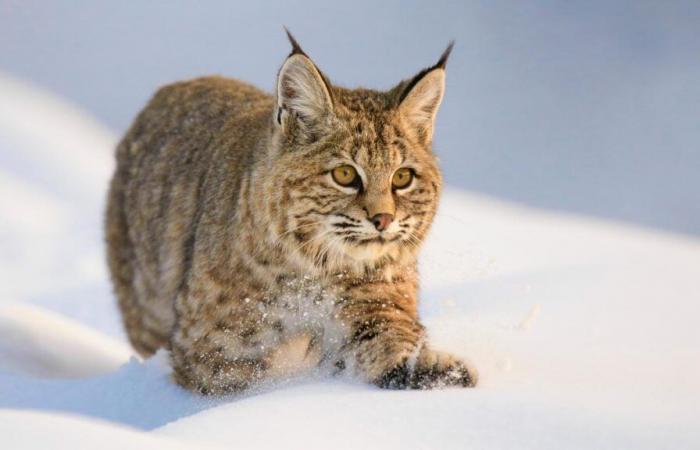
x=258 y=236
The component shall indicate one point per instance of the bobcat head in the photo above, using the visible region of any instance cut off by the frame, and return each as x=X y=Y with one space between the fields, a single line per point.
x=352 y=172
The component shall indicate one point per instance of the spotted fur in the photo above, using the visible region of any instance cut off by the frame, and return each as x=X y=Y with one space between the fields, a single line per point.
x=230 y=244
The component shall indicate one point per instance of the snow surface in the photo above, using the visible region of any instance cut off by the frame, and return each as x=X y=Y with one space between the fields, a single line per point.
x=585 y=333
x=23 y=430
x=44 y=344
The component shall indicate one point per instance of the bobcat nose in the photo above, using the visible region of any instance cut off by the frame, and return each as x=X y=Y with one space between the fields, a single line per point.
x=382 y=221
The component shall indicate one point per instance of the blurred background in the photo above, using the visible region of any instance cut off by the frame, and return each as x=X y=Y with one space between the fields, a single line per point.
x=589 y=107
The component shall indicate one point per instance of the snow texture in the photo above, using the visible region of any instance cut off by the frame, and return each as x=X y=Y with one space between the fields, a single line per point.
x=585 y=333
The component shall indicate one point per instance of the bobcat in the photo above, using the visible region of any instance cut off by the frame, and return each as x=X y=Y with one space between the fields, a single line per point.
x=260 y=236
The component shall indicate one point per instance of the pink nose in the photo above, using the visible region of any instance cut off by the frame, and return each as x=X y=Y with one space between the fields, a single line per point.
x=382 y=221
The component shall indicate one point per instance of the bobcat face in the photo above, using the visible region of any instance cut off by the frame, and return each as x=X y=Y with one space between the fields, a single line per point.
x=355 y=181
x=368 y=195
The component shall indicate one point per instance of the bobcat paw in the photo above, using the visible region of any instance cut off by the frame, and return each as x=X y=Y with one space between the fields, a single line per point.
x=432 y=370
x=400 y=377
x=436 y=370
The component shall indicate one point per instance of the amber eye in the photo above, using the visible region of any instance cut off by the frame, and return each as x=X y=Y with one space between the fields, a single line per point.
x=402 y=178
x=345 y=175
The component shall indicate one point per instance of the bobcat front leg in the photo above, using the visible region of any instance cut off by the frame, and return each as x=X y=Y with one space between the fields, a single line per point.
x=386 y=344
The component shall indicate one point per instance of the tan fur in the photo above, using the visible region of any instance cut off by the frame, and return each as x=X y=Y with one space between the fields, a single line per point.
x=230 y=244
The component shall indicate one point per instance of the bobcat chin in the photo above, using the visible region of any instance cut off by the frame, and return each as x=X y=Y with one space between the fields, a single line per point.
x=259 y=236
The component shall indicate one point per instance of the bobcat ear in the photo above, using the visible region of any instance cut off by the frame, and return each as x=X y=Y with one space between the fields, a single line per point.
x=302 y=90
x=422 y=95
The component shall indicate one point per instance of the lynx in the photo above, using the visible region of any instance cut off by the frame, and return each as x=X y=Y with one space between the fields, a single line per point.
x=258 y=237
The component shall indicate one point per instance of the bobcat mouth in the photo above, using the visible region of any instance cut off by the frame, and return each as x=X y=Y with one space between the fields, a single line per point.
x=372 y=240
x=379 y=240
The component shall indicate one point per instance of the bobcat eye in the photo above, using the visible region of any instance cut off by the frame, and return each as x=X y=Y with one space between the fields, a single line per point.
x=402 y=178
x=346 y=176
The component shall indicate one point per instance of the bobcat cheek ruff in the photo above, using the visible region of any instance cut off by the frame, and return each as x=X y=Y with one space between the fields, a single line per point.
x=259 y=236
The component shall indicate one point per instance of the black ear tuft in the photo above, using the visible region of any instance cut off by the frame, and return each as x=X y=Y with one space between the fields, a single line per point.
x=296 y=48
x=442 y=62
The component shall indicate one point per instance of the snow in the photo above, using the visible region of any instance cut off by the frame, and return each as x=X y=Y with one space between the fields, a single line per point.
x=584 y=332
x=44 y=344
x=30 y=430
